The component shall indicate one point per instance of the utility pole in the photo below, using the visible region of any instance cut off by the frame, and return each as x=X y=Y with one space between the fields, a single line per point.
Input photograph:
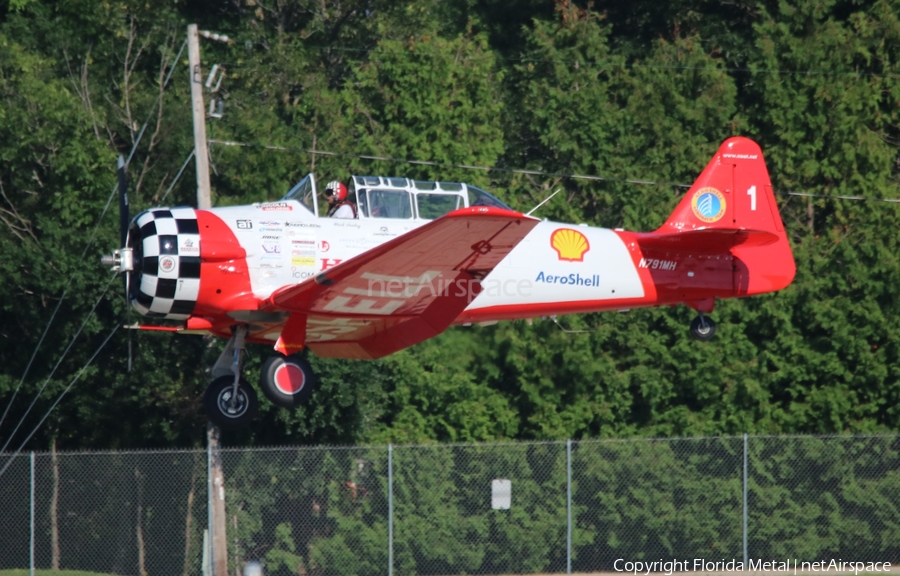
x=218 y=541
x=217 y=520
x=201 y=152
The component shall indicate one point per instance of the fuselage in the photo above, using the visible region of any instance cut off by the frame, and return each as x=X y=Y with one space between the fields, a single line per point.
x=246 y=253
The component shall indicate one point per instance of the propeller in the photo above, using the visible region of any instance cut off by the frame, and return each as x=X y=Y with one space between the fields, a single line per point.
x=124 y=222
x=124 y=217
x=121 y=260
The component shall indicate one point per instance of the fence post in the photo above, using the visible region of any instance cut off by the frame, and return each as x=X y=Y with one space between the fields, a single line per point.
x=209 y=511
x=31 y=540
x=390 y=510
x=569 y=506
x=745 y=500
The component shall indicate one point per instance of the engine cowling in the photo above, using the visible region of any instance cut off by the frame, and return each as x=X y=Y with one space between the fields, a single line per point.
x=165 y=279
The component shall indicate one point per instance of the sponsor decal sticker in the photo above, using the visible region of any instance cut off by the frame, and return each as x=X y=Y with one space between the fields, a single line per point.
x=573 y=279
x=244 y=224
x=303 y=261
x=188 y=246
x=324 y=246
x=301 y=225
x=166 y=263
x=272 y=248
x=570 y=245
x=708 y=205
x=275 y=207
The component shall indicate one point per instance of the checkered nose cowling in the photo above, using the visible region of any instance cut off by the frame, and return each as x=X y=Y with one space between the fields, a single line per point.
x=165 y=281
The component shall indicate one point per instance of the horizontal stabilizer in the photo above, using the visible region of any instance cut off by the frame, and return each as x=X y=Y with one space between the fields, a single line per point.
x=704 y=241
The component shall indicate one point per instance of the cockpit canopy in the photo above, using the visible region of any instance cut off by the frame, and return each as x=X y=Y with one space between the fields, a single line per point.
x=400 y=198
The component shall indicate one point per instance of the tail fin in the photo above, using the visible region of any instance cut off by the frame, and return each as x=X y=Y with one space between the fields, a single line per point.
x=731 y=207
x=733 y=192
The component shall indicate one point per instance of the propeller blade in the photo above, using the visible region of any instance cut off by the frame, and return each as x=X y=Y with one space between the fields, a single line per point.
x=124 y=217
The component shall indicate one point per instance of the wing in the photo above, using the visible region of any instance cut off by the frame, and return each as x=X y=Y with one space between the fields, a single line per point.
x=401 y=292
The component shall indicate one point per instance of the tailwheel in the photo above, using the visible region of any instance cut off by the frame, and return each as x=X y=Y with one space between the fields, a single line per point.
x=227 y=409
x=288 y=381
x=702 y=328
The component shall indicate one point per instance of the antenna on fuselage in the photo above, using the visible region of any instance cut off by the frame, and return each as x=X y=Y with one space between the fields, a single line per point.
x=544 y=201
x=568 y=330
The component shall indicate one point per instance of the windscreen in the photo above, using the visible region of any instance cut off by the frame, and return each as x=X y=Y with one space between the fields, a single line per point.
x=478 y=197
x=304 y=193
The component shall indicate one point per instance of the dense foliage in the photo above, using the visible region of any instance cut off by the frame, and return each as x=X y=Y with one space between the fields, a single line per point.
x=637 y=91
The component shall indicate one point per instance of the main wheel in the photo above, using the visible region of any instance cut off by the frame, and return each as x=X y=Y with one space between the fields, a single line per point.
x=226 y=410
x=703 y=328
x=288 y=381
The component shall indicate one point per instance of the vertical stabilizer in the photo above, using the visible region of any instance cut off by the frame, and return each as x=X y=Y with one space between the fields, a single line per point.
x=734 y=193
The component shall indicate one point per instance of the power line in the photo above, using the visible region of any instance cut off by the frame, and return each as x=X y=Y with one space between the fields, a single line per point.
x=177 y=176
x=58 y=362
x=591 y=64
x=442 y=164
x=58 y=400
x=527 y=172
x=90 y=240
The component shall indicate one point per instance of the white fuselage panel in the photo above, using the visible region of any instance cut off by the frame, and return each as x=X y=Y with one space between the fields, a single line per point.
x=562 y=263
x=554 y=263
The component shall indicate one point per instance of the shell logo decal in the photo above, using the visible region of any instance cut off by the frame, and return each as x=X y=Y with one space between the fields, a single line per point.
x=570 y=245
x=708 y=205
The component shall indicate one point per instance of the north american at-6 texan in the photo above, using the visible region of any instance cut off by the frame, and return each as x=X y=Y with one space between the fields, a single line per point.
x=421 y=256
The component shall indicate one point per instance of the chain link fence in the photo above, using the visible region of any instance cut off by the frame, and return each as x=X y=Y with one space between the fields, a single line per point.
x=518 y=508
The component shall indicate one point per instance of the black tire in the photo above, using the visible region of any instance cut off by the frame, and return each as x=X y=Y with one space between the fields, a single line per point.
x=217 y=403
x=287 y=381
x=703 y=328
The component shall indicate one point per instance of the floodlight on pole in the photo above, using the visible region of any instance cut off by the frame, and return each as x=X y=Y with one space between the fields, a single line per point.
x=214 y=36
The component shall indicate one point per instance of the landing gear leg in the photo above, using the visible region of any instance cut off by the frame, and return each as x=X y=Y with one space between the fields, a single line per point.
x=230 y=402
x=702 y=328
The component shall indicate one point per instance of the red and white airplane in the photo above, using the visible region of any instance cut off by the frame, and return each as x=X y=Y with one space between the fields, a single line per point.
x=422 y=256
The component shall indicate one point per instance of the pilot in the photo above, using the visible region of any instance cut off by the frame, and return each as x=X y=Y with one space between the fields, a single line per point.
x=339 y=205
